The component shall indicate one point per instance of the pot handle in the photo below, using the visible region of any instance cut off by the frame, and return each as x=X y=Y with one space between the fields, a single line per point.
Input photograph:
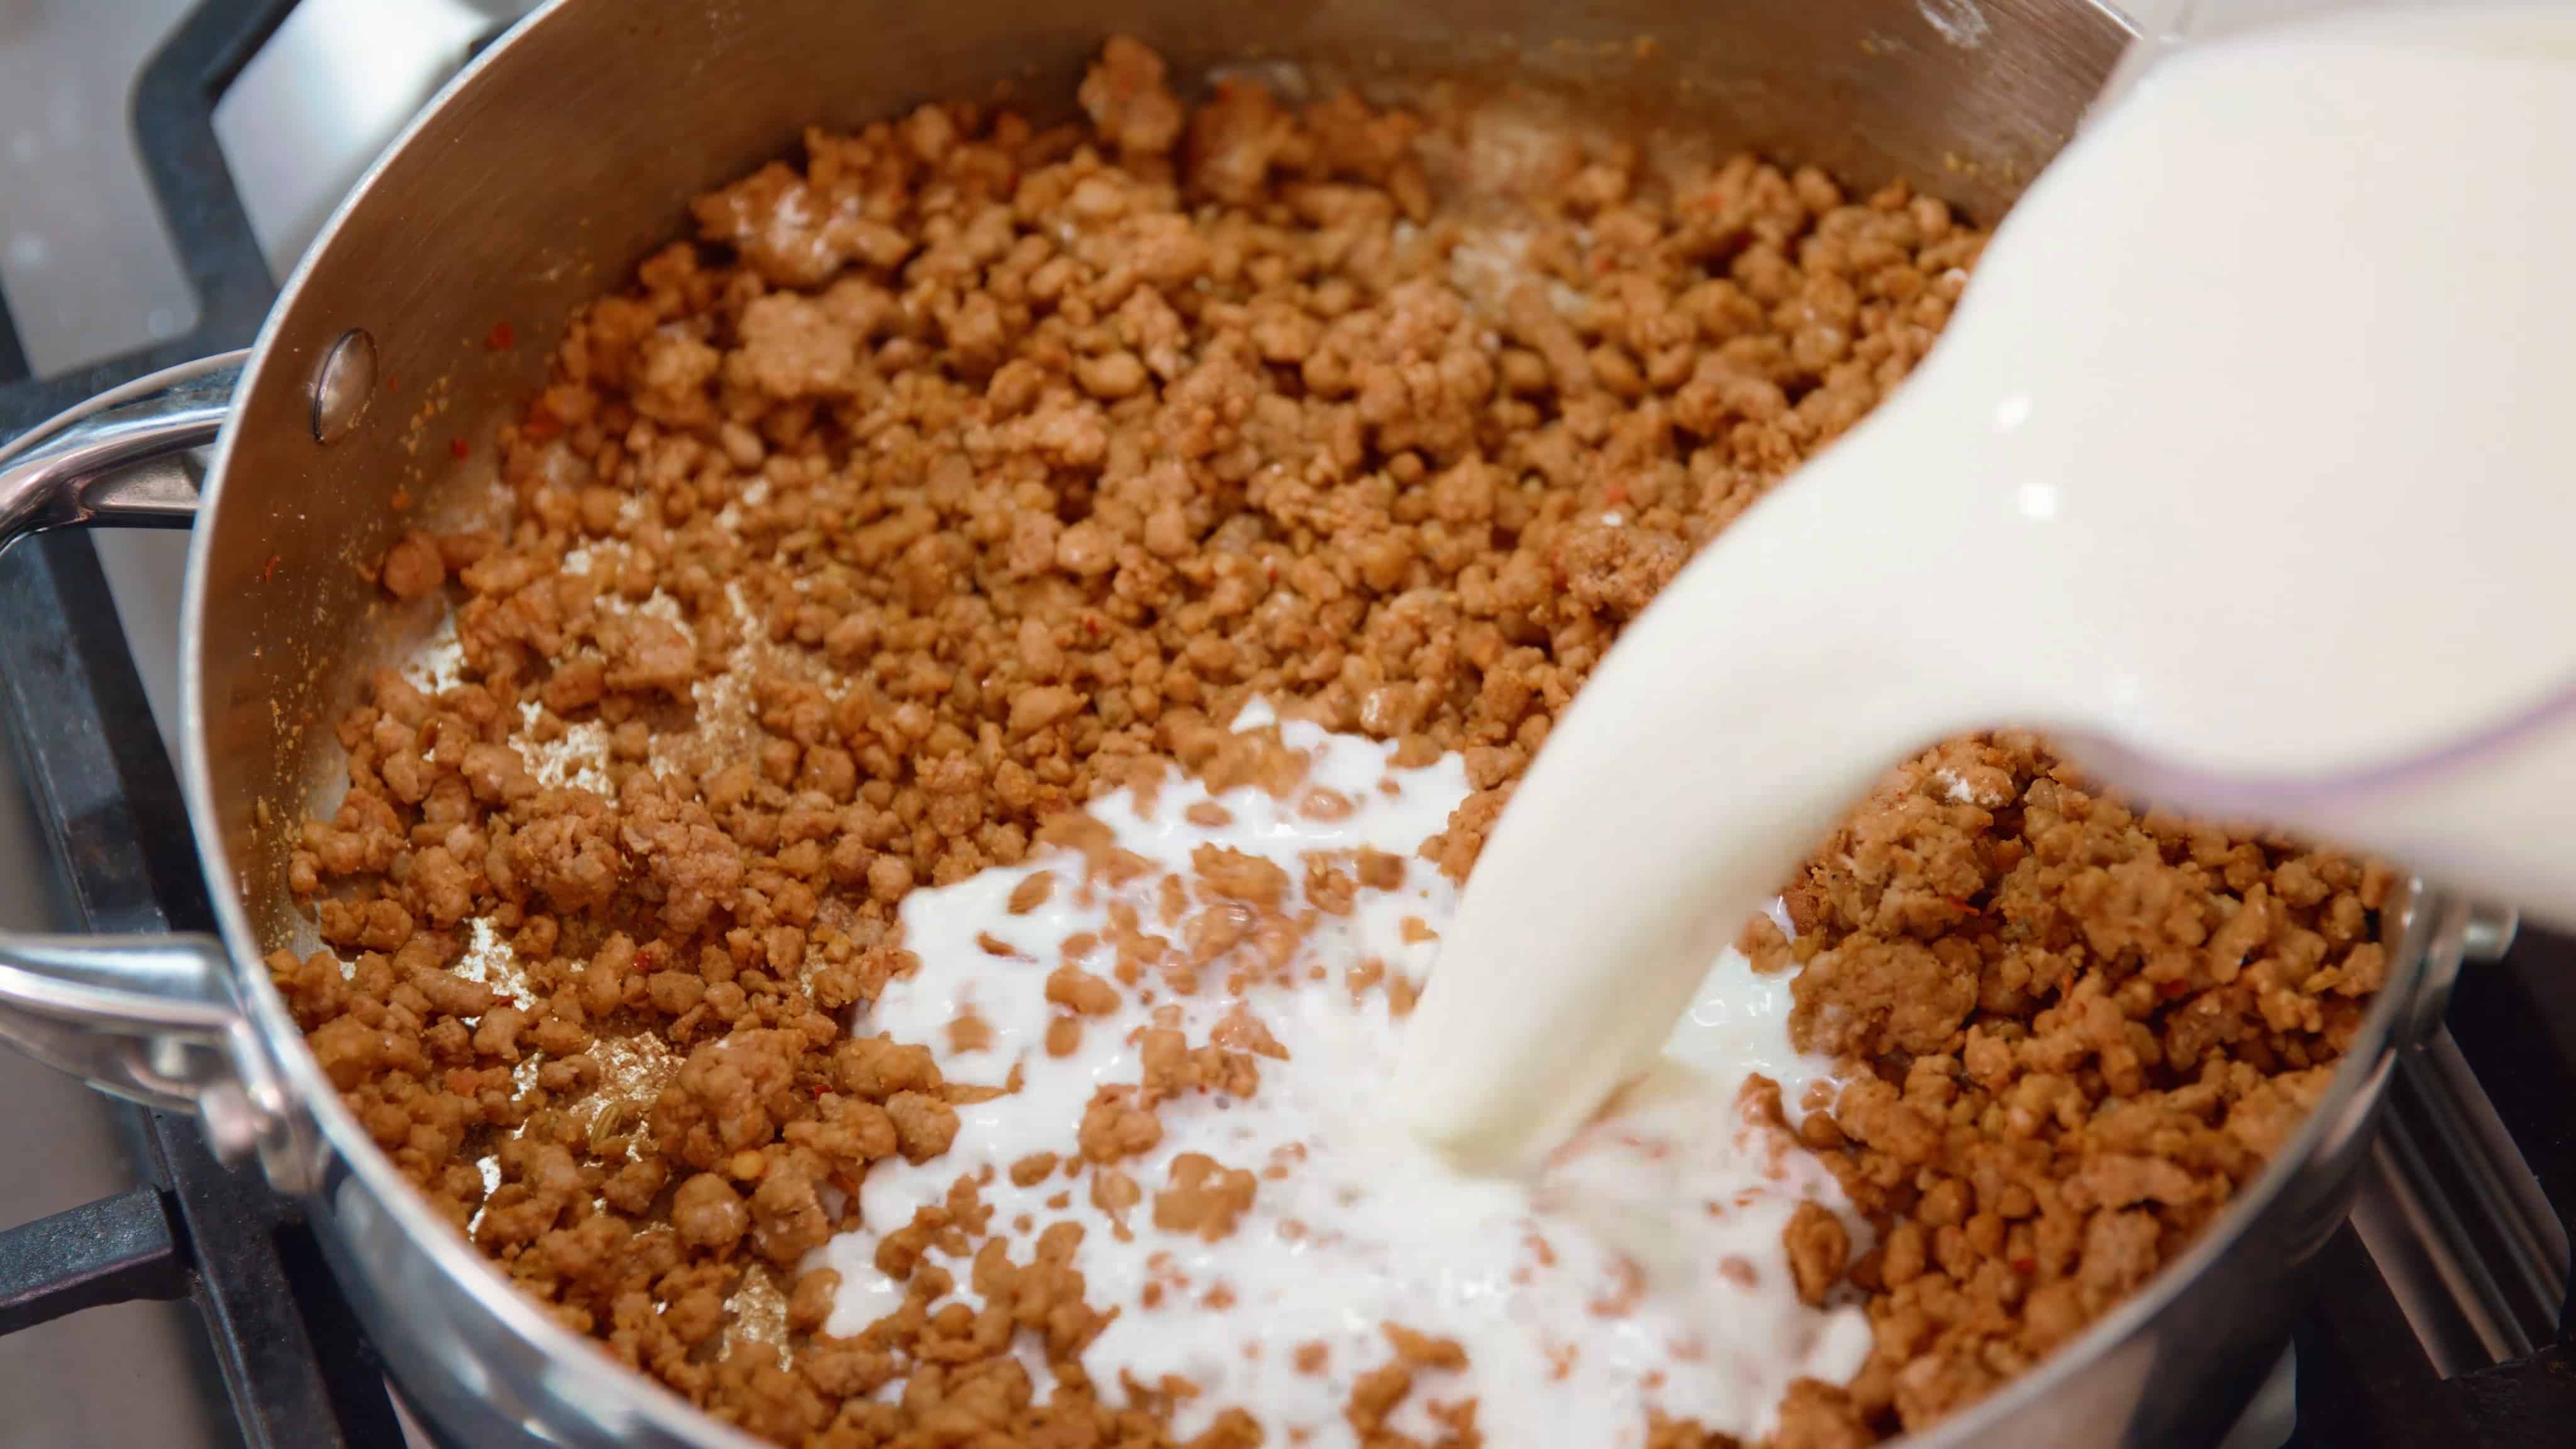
x=153 y=1019
x=119 y=458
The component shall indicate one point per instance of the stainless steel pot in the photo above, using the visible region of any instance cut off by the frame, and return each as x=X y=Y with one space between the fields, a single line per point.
x=533 y=183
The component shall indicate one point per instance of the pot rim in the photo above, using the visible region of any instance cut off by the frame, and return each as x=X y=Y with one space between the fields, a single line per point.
x=599 y=1378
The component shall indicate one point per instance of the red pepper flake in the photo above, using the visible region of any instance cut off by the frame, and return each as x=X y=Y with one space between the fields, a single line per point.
x=818 y=1089
x=2025 y=1266
x=393 y=383
x=541 y=426
x=1616 y=493
x=500 y=338
x=457 y=447
x=2172 y=990
x=268 y=570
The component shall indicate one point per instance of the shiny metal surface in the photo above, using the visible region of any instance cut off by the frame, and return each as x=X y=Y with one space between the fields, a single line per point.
x=149 y=1019
x=153 y=1020
x=2489 y=933
x=325 y=93
x=90 y=264
x=116 y=458
x=537 y=179
x=2455 y=1222
x=2483 y=933
x=343 y=386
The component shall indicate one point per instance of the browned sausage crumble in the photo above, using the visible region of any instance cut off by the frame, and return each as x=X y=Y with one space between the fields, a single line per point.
x=948 y=476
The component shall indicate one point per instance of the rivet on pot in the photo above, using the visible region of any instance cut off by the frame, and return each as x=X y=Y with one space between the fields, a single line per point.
x=343 y=385
x=2488 y=933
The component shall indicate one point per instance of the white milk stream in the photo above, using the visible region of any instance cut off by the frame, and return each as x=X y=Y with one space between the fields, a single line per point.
x=1353 y=1223
x=2244 y=467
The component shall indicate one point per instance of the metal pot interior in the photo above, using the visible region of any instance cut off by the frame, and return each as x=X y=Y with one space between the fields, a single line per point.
x=570 y=150
x=539 y=180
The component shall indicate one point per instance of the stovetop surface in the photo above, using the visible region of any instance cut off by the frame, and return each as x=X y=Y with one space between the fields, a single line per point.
x=296 y=99
x=95 y=263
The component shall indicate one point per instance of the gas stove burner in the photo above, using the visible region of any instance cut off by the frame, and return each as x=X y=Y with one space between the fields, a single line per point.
x=2437 y=1310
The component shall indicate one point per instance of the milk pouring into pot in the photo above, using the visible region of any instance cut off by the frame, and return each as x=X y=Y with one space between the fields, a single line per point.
x=2133 y=405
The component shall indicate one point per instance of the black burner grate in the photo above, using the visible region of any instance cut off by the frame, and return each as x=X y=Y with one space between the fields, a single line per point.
x=297 y=1370
x=299 y=1373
